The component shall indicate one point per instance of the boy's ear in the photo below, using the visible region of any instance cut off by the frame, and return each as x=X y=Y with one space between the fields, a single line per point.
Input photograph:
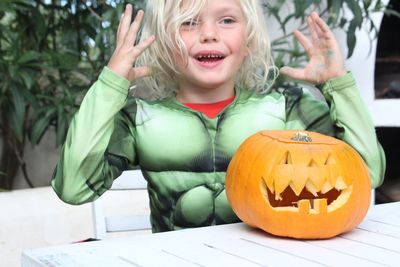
x=248 y=48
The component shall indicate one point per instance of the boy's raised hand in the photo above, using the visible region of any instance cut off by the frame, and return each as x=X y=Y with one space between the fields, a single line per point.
x=126 y=52
x=325 y=60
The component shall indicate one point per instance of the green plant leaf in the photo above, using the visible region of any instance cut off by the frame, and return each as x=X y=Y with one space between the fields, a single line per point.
x=299 y=7
x=40 y=126
x=67 y=59
x=26 y=78
x=16 y=114
x=39 y=22
x=391 y=12
x=29 y=56
x=343 y=22
x=351 y=38
x=30 y=98
x=367 y=3
x=334 y=11
x=357 y=12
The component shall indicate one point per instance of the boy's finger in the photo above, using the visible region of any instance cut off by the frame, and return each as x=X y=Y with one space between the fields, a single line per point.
x=297 y=74
x=139 y=72
x=320 y=22
x=323 y=29
x=119 y=29
x=312 y=30
x=304 y=41
x=134 y=28
x=125 y=22
x=138 y=49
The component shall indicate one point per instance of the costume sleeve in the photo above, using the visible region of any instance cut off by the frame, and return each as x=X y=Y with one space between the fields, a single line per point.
x=344 y=116
x=99 y=144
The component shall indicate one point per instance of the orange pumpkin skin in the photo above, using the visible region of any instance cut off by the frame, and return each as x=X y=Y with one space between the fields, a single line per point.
x=326 y=179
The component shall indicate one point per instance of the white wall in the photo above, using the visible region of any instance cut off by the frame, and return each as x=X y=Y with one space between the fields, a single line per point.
x=40 y=161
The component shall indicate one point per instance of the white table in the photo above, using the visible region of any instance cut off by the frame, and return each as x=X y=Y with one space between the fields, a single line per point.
x=376 y=242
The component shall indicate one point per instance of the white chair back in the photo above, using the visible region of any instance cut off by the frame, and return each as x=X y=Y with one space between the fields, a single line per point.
x=103 y=224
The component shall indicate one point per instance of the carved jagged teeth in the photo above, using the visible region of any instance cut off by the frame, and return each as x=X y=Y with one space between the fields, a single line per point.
x=326 y=187
x=340 y=184
x=296 y=189
x=311 y=188
x=285 y=175
x=270 y=185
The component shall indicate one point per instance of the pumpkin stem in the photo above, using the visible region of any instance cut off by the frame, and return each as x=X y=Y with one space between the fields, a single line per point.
x=302 y=137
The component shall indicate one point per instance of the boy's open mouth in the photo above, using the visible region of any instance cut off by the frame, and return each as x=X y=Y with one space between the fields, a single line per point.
x=210 y=58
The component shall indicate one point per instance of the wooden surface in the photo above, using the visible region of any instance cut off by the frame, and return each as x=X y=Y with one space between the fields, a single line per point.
x=376 y=242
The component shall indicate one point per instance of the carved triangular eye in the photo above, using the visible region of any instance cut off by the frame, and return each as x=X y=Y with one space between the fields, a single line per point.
x=312 y=163
x=330 y=160
x=286 y=159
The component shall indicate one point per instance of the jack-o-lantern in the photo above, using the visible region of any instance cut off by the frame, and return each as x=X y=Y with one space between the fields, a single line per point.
x=298 y=184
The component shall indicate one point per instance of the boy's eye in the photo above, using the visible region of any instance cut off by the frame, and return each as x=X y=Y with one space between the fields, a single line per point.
x=228 y=21
x=190 y=23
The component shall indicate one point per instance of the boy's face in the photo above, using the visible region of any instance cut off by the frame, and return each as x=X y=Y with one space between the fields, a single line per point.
x=216 y=44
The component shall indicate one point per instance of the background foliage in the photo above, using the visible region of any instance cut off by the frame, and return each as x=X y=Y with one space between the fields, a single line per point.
x=51 y=51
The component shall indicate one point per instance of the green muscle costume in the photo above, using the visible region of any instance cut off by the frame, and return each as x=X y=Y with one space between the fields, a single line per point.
x=184 y=155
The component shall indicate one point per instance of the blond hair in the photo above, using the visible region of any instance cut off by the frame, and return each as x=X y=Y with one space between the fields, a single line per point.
x=163 y=18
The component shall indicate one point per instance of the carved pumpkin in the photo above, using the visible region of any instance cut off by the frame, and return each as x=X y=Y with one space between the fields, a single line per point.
x=301 y=185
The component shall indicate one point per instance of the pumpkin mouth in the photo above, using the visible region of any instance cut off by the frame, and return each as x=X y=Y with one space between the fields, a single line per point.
x=308 y=200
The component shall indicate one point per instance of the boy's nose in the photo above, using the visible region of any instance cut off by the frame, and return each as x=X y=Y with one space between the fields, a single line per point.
x=208 y=33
